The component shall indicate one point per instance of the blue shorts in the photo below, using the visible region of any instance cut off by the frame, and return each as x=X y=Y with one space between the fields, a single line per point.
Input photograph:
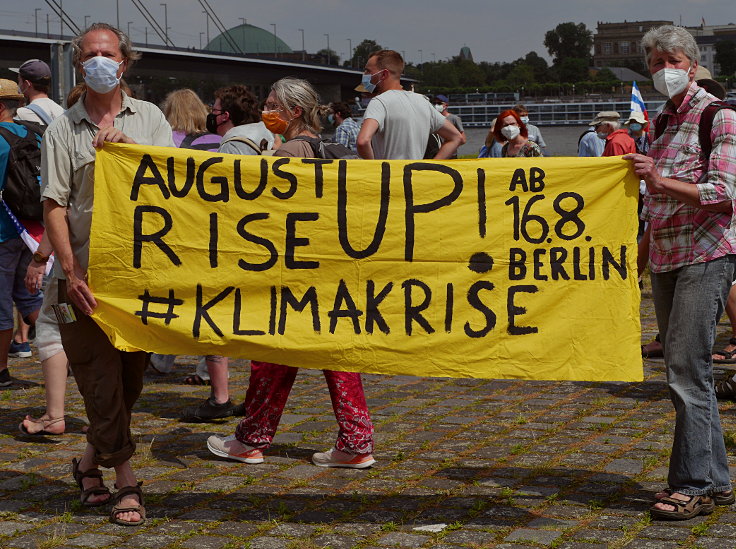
x=14 y=259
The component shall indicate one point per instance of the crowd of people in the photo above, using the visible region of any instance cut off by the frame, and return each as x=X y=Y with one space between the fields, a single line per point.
x=687 y=243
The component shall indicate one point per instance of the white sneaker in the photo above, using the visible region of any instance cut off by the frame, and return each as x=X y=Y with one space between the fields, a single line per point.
x=230 y=448
x=336 y=458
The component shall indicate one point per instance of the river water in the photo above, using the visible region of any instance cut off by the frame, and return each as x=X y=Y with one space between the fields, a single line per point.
x=561 y=140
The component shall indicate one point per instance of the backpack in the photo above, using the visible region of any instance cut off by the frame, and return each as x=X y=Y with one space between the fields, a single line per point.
x=261 y=149
x=22 y=191
x=433 y=146
x=324 y=148
x=704 y=127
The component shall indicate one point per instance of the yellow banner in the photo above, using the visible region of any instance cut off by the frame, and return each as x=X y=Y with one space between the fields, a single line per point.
x=493 y=268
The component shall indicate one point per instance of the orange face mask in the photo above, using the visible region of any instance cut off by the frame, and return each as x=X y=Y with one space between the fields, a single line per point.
x=274 y=123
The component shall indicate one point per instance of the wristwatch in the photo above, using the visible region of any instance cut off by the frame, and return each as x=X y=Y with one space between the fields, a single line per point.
x=39 y=258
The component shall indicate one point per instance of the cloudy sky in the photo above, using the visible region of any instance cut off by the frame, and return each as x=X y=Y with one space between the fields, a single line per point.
x=494 y=30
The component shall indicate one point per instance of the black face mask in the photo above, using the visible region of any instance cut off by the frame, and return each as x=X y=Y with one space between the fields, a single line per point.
x=211 y=123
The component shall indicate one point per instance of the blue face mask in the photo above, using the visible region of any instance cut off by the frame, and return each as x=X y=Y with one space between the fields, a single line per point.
x=367 y=84
x=635 y=127
x=330 y=119
x=101 y=73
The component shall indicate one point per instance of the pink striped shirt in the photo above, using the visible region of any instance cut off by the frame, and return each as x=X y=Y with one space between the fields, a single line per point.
x=682 y=234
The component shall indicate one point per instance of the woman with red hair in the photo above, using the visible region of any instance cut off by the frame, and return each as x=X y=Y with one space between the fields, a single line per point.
x=511 y=129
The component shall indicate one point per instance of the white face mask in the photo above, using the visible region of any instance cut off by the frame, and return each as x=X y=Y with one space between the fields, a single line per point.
x=101 y=73
x=439 y=107
x=510 y=132
x=525 y=119
x=671 y=82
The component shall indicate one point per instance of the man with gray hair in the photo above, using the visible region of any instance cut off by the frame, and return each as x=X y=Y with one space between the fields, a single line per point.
x=593 y=141
x=109 y=380
x=691 y=245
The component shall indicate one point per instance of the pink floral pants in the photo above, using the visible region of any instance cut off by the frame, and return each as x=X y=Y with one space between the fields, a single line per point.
x=269 y=389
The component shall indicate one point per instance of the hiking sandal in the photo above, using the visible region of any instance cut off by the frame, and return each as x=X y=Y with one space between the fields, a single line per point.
x=729 y=357
x=684 y=510
x=727 y=497
x=725 y=388
x=98 y=490
x=118 y=508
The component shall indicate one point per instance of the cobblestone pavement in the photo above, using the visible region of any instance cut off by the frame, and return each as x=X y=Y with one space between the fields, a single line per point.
x=461 y=464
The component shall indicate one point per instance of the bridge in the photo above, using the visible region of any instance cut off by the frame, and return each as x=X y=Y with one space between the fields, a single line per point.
x=163 y=69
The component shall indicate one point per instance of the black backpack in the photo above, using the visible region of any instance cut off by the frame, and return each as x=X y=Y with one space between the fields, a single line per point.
x=324 y=148
x=433 y=146
x=22 y=190
x=704 y=127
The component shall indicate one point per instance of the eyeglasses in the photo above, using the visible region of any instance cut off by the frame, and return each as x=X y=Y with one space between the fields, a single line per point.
x=217 y=112
x=272 y=107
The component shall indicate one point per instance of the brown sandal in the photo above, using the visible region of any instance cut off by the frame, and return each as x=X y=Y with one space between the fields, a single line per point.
x=118 y=508
x=684 y=510
x=44 y=424
x=98 y=490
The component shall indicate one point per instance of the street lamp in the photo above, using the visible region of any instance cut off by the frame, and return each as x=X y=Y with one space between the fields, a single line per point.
x=35 y=16
x=200 y=40
x=304 y=51
x=275 y=47
x=129 y=22
x=328 y=48
x=85 y=20
x=350 y=48
x=242 y=29
x=208 y=26
x=166 y=24
x=421 y=59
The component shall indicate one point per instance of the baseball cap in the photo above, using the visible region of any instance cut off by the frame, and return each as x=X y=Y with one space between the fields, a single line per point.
x=442 y=98
x=9 y=90
x=605 y=116
x=637 y=117
x=34 y=70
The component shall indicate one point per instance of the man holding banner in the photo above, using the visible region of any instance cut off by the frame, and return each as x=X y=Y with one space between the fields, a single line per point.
x=692 y=247
x=109 y=380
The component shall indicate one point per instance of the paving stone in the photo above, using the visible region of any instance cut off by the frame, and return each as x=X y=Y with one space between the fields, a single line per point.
x=149 y=541
x=336 y=541
x=401 y=539
x=205 y=542
x=10 y=528
x=269 y=543
x=543 y=537
x=95 y=540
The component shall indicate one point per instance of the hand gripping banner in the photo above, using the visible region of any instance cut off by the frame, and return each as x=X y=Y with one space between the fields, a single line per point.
x=493 y=268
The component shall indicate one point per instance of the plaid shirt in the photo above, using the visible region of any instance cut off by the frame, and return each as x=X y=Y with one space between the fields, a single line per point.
x=347 y=134
x=683 y=234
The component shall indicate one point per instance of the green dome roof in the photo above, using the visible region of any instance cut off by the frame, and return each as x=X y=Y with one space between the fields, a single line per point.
x=250 y=39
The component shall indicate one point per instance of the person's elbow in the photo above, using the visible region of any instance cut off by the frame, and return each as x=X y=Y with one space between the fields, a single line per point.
x=363 y=142
x=463 y=139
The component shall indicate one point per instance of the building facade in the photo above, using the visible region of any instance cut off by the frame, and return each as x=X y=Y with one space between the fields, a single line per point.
x=619 y=44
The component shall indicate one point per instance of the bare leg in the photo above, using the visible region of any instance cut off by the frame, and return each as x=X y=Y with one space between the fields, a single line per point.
x=217 y=369
x=124 y=476
x=85 y=464
x=21 y=332
x=54 y=374
x=731 y=313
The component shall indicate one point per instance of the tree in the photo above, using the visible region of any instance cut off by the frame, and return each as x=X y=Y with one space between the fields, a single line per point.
x=362 y=52
x=569 y=40
x=726 y=56
x=538 y=65
x=572 y=69
x=328 y=57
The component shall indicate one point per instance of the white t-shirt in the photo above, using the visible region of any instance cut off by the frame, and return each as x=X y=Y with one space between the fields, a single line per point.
x=48 y=105
x=255 y=132
x=405 y=120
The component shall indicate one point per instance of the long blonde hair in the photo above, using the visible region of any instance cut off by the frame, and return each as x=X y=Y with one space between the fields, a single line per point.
x=291 y=92
x=185 y=111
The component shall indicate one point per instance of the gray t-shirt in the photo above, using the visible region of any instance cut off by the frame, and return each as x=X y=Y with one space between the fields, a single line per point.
x=535 y=135
x=255 y=132
x=405 y=120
